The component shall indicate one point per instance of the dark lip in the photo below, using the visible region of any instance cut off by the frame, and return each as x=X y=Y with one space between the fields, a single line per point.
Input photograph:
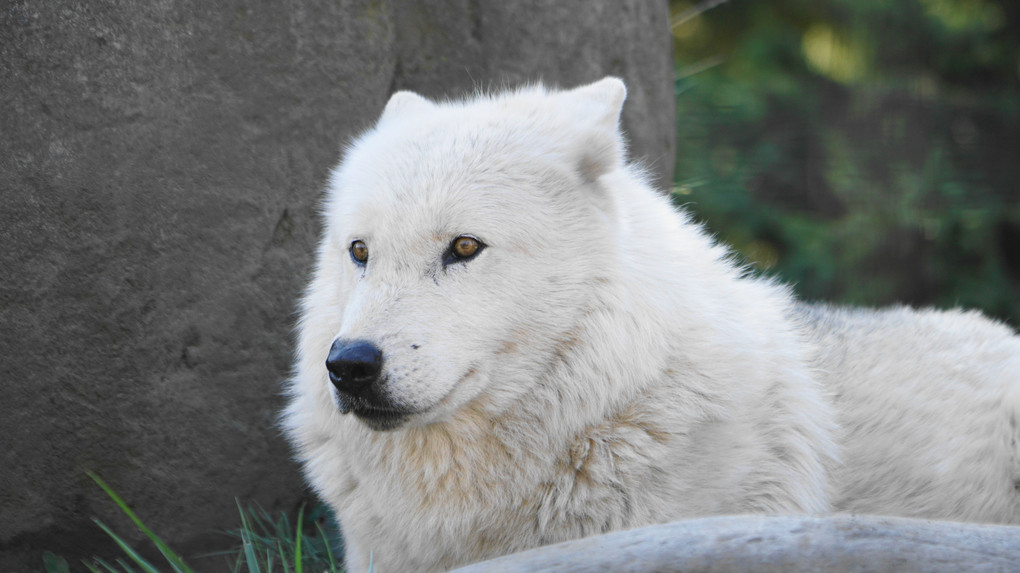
x=380 y=419
x=376 y=417
x=375 y=413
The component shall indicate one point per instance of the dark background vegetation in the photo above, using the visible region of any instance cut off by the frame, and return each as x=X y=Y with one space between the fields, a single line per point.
x=867 y=151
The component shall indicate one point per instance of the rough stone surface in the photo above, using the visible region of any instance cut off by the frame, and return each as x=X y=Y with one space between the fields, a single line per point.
x=160 y=166
x=764 y=544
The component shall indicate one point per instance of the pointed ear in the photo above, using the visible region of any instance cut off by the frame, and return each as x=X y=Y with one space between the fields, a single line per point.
x=602 y=99
x=596 y=108
x=404 y=102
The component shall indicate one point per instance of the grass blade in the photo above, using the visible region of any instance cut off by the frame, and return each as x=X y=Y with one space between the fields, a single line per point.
x=145 y=565
x=175 y=561
x=97 y=562
x=297 y=540
x=246 y=542
x=283 y=556
x=329 y=549
x=53 y=563
x=92 y=568
x=125 y=566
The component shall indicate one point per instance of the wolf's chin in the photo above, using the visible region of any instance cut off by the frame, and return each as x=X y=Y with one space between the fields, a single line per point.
x=379 y=418
x=382 y=421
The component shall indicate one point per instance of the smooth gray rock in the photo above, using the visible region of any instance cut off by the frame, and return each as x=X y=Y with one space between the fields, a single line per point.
x=160 y=166
x=763 y=544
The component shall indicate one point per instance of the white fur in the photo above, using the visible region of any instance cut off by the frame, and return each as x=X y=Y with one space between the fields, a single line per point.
x=602 y=364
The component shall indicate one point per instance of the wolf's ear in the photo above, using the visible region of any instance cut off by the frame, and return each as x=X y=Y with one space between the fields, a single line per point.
x=598 y=108
x=603 y=99
x=404 y=102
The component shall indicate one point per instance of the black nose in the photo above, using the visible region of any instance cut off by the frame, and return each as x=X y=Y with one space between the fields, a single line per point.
x=354 y=365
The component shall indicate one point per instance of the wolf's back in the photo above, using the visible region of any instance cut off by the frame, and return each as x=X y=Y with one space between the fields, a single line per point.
x=929 y=403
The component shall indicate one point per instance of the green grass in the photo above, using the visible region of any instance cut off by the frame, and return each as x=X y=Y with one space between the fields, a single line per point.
x=279 y=545
x=265 y=545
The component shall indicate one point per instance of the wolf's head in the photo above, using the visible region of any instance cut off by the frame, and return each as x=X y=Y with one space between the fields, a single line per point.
x=462 y=244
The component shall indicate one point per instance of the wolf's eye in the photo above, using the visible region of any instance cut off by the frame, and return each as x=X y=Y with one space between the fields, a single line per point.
x=463 y=248
x=466 y=247
x=359 y=252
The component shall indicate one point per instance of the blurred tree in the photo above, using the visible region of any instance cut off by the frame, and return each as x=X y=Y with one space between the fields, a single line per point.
x=867 y=151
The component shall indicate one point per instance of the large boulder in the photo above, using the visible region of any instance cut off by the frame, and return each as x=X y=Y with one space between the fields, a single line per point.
x=160 y=168
x=779 y=544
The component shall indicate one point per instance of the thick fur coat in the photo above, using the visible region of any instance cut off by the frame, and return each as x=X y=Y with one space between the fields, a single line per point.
x=596 y=362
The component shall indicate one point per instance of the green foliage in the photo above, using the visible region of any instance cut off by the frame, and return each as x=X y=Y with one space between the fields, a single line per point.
x=266 y=545
x=268 y=542
x=866 y=151
x=53 y=563
x=174 y=560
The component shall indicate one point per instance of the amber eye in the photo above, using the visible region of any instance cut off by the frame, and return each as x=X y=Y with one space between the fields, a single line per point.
x=359 y=252
x=462 y=249
x=465 y=247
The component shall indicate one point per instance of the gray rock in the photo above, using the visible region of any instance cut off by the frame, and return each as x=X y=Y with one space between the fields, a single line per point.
x=764 y=544
x=160 y=166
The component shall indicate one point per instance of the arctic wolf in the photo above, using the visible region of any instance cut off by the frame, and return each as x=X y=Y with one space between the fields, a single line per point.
x=511 y=340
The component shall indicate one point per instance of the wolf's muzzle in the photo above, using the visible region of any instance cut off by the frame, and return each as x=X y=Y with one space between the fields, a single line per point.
x=354 y=366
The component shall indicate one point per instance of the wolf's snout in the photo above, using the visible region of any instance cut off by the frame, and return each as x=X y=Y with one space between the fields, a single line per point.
x=354 y=365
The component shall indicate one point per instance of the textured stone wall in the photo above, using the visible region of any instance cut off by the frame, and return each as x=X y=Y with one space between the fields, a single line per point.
x=160 y=165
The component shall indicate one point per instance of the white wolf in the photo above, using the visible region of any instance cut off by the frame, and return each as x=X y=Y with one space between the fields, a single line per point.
x=510 y=340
